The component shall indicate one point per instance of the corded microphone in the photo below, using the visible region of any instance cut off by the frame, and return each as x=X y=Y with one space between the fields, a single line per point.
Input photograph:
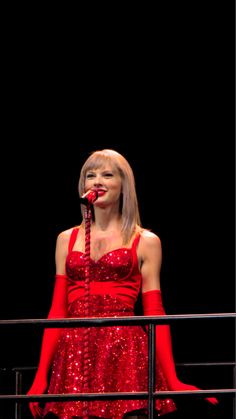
x=89 y=197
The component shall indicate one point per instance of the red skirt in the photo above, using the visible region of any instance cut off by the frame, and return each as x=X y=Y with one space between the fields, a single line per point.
x=117 y=362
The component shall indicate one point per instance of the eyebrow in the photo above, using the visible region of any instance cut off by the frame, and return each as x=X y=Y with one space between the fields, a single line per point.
x=102 y=170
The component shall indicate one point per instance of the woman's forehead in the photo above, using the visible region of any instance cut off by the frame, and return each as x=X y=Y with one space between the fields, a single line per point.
x=101 y=166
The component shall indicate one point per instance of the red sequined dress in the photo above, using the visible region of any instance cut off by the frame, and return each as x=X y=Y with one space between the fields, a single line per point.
x=118 y=355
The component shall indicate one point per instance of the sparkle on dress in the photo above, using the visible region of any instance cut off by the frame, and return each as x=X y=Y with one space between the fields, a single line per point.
x=118 y=355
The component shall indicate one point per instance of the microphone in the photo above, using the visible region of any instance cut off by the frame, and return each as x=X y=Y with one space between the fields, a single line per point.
x=89 y=197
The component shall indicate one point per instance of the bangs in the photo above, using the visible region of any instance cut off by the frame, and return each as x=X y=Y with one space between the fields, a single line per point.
x=98 y=162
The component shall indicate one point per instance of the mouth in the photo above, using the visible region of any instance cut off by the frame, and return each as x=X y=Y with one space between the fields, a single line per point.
x=101 y=192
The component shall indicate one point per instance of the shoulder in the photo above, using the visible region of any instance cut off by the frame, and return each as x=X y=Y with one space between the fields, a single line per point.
x=149 y=239
x=62 y=244
x=64 y=236
x=149 y=244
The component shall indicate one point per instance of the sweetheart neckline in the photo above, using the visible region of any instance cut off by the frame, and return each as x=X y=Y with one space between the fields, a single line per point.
x=105 y=254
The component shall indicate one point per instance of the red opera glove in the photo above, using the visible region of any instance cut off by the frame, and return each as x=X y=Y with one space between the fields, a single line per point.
x=39 y=386
x=152 y=305
x=49 y=343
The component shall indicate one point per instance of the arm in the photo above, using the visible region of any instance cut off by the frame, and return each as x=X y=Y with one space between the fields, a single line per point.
x=152 y=302
x=50 y=336
x=151 y=260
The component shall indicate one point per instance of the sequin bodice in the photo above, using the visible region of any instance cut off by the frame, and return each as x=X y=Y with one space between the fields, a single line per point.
x=113 y=265
x=115 y=273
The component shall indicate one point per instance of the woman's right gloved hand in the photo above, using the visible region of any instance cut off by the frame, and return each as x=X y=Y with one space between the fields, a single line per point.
x=39 y=386
x=152 y=305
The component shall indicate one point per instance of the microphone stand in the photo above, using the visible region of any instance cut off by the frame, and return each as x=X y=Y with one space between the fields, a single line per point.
x=87 y=216
x=87 y=199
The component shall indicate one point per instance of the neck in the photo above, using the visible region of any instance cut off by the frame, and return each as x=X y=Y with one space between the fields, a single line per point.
x=106 y=219
x=107 y=224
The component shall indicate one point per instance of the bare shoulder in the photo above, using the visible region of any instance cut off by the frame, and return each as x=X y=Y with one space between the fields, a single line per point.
x=64 y=237
x=149 y=239
x=149 y=246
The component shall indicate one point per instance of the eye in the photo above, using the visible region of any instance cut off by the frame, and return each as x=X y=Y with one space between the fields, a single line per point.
x=108 y=174
x=90 y=175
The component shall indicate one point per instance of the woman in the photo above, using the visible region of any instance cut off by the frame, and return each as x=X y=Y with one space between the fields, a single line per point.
x=101 y=268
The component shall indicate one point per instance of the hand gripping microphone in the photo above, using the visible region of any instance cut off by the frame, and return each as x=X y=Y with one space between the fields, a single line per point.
x=89 y=197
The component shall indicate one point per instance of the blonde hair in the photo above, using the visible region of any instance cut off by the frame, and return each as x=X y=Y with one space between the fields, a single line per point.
x=129 y=203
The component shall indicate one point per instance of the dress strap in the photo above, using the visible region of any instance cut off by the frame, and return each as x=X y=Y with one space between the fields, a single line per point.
x=136 y=241
x=72 y=240
x=134 y=251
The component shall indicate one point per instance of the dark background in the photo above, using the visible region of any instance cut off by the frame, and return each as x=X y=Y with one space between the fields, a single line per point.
x=158 y=87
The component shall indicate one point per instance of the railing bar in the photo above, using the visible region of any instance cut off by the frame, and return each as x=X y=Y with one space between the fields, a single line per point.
x=205 y=364
x=75 y=396
x=107 y=321
x=18 y=384
x=180 y=364
x=151 y=369
x=121 y=396
x=234 y=398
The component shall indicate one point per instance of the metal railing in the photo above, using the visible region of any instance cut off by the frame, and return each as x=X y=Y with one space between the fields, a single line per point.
x=151 y=394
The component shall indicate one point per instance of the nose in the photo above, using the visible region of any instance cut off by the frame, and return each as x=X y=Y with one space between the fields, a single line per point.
x=97 y=181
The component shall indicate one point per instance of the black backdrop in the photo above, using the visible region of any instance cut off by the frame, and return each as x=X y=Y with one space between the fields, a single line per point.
x=162 y=95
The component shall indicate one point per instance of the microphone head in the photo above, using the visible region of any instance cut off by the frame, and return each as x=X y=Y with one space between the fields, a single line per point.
x=89 y=197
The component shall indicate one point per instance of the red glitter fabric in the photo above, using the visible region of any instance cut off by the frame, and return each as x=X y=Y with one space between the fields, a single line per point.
x=118 y=355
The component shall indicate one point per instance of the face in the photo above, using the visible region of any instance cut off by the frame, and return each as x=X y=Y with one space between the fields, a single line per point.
x=106 y=180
